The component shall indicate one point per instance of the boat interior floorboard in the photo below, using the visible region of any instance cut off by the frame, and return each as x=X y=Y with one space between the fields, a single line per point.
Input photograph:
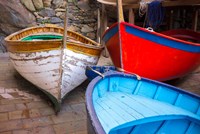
x=118 y=108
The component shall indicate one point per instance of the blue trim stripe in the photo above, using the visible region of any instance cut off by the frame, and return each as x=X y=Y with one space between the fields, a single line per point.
x=162 y=40
x=110 y=33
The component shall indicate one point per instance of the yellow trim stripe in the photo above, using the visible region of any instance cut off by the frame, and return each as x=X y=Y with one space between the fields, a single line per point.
x=82 y=44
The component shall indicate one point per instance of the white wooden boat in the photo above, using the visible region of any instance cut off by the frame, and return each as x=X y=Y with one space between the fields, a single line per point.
x=36 y=54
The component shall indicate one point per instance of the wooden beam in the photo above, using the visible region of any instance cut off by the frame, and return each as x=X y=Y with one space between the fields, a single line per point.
x=98 y=25
x=171 y=19
x=104 y=20
x=170 y=3
x=131 y=16
x=195 y=20
x=104 y=24
x=181 y=3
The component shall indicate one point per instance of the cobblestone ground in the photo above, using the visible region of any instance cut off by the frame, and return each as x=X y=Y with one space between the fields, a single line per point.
x=26 y=110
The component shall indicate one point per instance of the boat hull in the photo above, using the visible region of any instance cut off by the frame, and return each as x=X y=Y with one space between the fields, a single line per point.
x=43 y=62
x=94 y=71
x=74 y=66
x=150 y=54
x=122 y=103
x=40 y=68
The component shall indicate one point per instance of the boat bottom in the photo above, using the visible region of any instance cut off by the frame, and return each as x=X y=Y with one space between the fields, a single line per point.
x=56 y=103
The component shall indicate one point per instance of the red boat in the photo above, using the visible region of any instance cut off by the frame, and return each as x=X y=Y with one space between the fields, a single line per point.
x=159 y=56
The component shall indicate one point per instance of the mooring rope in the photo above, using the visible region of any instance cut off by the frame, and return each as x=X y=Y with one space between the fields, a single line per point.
x=122 y=70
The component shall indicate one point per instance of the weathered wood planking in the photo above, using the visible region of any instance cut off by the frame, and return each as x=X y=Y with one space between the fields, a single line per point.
x=40 y=60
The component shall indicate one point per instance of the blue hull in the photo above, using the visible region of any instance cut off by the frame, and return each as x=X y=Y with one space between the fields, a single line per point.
x=121 y=103
x=91 y=74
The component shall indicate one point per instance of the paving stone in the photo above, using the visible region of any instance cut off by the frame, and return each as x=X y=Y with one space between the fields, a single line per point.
x=2 y=90
x=10 y=125
x=21 y=132
x=7 y=96
x=3 y=117
x=38 y=104
x=47 y=111
x=36 y=130
x=64 y=128
x=80 y=125
x=81 y=132
x=14 y=101
x=12 y=83
x=21 y=106
x=79 y=115
x=7 y=108
x=73 y=99
x=10 y=90
x=18 y=114
x=34 y=113
x=79 y=107
x=9 y=132
x=37 y=122
x=63 y=117
x=4 y=82
x=71 y=127
x=43 y=130
x=26 y=113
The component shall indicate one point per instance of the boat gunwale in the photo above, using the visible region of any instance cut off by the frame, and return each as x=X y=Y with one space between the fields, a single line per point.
x=92 y=45
x=89 y=101
x=59 y=41
x=54 y=44
x=90 y=108
x=154 y=33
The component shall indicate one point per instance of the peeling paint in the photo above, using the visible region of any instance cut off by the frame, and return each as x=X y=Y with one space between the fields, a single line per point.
x=42 y=69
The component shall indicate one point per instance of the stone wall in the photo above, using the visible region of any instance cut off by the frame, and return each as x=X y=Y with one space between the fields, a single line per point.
x=19 y=14
x=82 y=16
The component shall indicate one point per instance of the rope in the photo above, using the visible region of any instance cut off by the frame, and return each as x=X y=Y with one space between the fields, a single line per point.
x=154 y=12
x=142 y=9
x=124 y=71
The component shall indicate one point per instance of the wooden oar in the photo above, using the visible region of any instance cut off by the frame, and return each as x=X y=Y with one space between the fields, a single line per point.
x=120 y=19
x=120 y=11
x=64 y=46
x=65 y=28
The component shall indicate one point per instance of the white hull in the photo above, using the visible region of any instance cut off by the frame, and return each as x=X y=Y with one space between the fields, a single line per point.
x=43 y=69
x=74 y=65
x=40 y=68
x=42 y=61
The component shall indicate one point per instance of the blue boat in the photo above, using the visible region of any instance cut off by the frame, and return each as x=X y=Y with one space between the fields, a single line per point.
x=94 y=71
x=119 y=103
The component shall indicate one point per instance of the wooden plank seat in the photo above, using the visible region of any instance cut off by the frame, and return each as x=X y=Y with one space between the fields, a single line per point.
x=121 y=110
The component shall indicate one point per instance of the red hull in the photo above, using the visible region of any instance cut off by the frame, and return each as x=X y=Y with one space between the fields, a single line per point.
x=150 y=54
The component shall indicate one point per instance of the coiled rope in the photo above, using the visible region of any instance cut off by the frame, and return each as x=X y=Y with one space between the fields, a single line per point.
x=154 y=12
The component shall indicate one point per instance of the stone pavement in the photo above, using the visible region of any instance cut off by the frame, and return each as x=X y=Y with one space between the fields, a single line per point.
x=26 y=110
